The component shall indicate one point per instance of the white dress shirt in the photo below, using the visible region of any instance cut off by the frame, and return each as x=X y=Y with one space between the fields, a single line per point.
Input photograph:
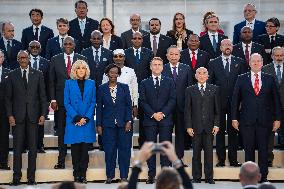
x=190 y=53
x=250 y=24
x=128 y=77
x=253 y=79
x=27 y=73
x=106 y=44
x=60 y=39
x=275 y=68
x=66 y=59
x=39 y=29
x=199 y=86
x=172 y=68
x=1 y=70
x=32 y=61
x=157 y=39
x=249 y=48
x=99 y=52
x=159 y=78
x=211 y=37
x=225 y=62
x=139 y=51
x=6 y=42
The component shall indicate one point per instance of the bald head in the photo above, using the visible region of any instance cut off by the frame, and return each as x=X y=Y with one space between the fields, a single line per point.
x=8 y=30
x=226 y=47
x=135 y=21
x=249 y=173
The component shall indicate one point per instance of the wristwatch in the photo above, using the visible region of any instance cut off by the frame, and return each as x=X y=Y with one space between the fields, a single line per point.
x=177 y=163
x=137 y=164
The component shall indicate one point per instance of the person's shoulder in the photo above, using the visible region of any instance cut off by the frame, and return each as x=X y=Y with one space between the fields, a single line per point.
x=240 y=24
x=88 y=19
x=73 y=21
x=184 y=66
x=130 y=70
x=127 y=32
x=27 y=29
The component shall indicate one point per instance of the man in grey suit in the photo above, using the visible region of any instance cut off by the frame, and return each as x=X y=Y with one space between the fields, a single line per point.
x=202 y=119
x=135 y=21
x=26 y=108
x=60 y=69
x=276 y=69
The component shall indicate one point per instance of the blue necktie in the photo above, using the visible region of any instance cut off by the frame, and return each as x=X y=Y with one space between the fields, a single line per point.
x=137 y=57
x=214 y=43
x=97 y=57
x=35 y=63
x=175 y=73
x=278 y=73
x=82 y=27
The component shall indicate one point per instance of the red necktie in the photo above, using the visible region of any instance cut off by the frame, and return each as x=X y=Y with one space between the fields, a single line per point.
x=256 y=84
x=247 y=54
x=193 y=60
x=68 y=66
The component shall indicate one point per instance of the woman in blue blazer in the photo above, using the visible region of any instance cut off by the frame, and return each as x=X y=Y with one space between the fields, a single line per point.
x=79 y=102
x=114 y=119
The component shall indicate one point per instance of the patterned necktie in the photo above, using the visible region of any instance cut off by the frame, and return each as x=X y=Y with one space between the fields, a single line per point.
x=68 y=66
x=227 y=67
x=97 y=57
x=9 y=49
x=35 y=63
x=214 y=43
x=256 y=84
x=82 y=27
x=36 y=33
x=175 y=73
x=193 y=60
x=25 y=78
x=137 y=59
x=202 y=90
x=247 y=54
x=155 y=46
x=272 y=42
x=278 y=73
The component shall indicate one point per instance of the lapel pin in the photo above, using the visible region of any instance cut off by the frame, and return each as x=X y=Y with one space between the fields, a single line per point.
x=236 y=65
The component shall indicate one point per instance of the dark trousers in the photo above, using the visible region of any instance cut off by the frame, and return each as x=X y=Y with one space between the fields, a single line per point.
x=22 y=132
x=61 y=122
x=181 y=136
x=40 y=136
x=270 y=146
x=117 y=141
x=165 y=134
x=4 y=138
x=80 y=159
x=226 y=125
x=202 y=141
x=254 y=137
x=141 y=138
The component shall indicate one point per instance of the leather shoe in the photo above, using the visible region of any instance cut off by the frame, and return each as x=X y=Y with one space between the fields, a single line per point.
x=31 y=182
x=5 y=167
x=263 y=180
x=123 y=180
x=235 y=164
x=209 y=181
x=150 y=180
x=196 y=181
x=41 y=150
x=220 y=164
x=15 y=182
x=108 y=181
x=101 y=148
x=59 y=166
x=84 y=180
x=270 y=164
x=77 y=179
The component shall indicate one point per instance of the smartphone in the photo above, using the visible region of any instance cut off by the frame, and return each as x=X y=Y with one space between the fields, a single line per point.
x=157 y=148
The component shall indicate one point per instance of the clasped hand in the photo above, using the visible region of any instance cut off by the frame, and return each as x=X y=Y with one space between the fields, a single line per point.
x=81 y=122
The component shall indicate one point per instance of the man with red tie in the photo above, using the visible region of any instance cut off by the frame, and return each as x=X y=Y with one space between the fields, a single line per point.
x=259 y=113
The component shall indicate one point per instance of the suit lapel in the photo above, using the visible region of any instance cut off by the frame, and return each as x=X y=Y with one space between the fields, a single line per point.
x=19 y=77
x=251 y=89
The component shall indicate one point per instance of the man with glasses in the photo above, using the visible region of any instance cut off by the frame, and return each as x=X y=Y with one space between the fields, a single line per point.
x=258 y=27
x=126 y=37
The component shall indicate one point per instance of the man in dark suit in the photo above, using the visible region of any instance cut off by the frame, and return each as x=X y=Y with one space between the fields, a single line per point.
x=193 y=56
x=82 y=26
x=271 y=39
x=4 y=124
x=259 y=113
x=202 y=119
x=98 y=57
x=60 y=68
x=26 y=107
x=9 y=46
x=249 y=175
x=223 y=72
x=39 y=63
x=37 y=31
x=157 y=98
x=126 y=37
x=247 y=47
x=156 y=41
x=258 y=27
x=182 y=77
x=210 y=42
x=276 y=69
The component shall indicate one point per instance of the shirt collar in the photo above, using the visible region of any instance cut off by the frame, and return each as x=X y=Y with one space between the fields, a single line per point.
x=135 y=31
x=139 y=49
x=60 y=36
x=250 y=186
x=252 y=22
x=199 y=85
x=174 y=66
x=39 y=26
x=196 y=51
x=275 y=64
x=157 y=35
x=224 y=57
x=6 y=41
x=99 y=49
x=210 y=33
x=273 y=35
x=244 y=45
x=159 y=77
x=71 y=55
x=84 y=20
x=27 y=69
x=32 y=57
x=258 y=73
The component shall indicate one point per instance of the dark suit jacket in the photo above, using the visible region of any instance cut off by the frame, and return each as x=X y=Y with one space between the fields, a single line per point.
x=201 y=61
x=75 y=32
x=172 y=35
x=259 y=28
x=16 y=47
x=217 y=76
x=164 y=43
x=262 y=109
x=115 y=43
x=126 y=37
x=44 y=35
x=58 y=76
x=202 y=113
x=21 y=101
x=97 y=70
x=183 y=81
x=142 y=70
x=3 y=82
x=269 y=69
x=153 y=100
x=206 y=45
x=265 y=41
x=107 y=111
x=256 y=48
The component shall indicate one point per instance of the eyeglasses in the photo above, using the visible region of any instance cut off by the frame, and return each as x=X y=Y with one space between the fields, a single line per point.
x=270 y=26
x=34 y=47
x=135 y=38
x=96 y=38
x=134 y=20
x=118 y=56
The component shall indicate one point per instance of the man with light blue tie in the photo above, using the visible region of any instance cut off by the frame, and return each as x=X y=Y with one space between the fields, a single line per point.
x=276 y=69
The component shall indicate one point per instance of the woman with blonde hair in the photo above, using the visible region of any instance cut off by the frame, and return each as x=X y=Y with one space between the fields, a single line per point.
x=79 y=102
x=205 y=29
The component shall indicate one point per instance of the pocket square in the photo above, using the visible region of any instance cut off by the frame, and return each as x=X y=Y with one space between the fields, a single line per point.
x=236 y=65
x=104 y=59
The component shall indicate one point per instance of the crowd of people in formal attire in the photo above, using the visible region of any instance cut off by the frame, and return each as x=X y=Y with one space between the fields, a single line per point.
x=197 y=86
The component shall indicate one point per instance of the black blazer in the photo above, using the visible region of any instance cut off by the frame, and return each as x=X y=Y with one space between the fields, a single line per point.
x=217 y=76
x=3 y=82
x=75 y=32
x=202 y=113
x=115 y=43
x=256 y=48
x=164 y=43
x=11 y=63
x=58 y=76
x=142 y=70
x=172 y=35
x=21 y=101
x=126 y=37
x=262 y=109
x=28 y=36
x=184 y=80
x=206 y=45
x=97 y=70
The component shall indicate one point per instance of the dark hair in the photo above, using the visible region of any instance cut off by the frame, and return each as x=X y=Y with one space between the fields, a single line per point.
x=155 y=19
x=62 y=20
x=110 y=22
x=67 y=185
x=168 y=179
x=274 y=20
x=36 y=10
x=110 y=66
x=80 y=1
